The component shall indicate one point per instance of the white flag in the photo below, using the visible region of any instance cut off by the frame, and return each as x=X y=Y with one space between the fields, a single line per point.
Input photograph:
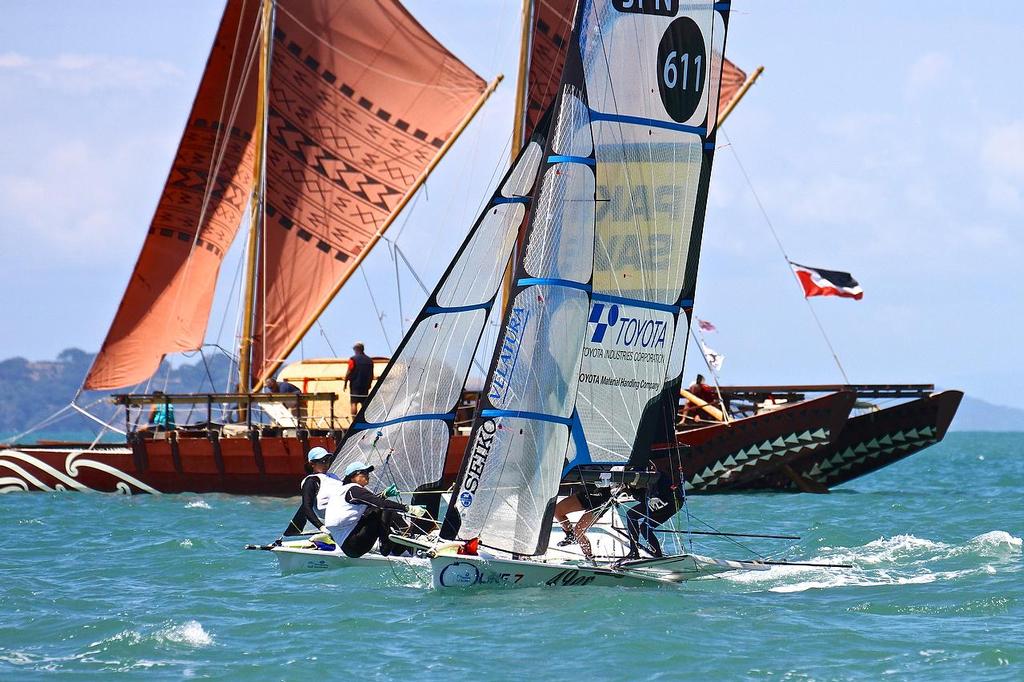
x=714 y=358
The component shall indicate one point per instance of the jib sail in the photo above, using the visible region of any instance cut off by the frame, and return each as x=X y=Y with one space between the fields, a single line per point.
x=405 y=428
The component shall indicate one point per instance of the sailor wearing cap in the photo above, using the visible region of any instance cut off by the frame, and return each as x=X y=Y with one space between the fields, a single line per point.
x=317 y=490
x=357 y=518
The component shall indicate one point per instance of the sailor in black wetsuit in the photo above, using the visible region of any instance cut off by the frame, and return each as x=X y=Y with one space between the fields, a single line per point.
x=356 y=518
x=313 y=505
x=655 y=505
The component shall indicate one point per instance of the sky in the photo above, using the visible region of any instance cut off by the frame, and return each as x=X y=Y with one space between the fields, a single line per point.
x=884 y=139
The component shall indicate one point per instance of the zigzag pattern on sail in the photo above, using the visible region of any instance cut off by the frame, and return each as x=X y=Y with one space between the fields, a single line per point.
x=405 y=427
x=612 y=241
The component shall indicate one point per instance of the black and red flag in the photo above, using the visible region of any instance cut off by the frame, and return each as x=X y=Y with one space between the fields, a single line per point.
x=819 y=282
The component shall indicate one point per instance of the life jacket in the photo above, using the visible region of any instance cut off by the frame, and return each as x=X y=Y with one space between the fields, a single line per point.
x=341 y=515
x=330 y=488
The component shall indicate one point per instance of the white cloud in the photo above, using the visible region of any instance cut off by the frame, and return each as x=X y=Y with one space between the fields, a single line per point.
x=930 y=69
x=1003 y=151
x=90 y=73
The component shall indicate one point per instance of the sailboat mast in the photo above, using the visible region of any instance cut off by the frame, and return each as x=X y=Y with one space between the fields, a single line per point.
x=519 y=121
x=258 y=200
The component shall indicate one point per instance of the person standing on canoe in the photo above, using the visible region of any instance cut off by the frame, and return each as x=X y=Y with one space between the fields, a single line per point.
x=359 y=377
x=317 y=490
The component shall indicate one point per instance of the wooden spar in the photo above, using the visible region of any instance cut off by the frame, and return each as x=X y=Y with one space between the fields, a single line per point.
x=463 y=124
x=518 y=121
x=258 y=194
x=520 y=111
x=739 y=95
x=704 y=405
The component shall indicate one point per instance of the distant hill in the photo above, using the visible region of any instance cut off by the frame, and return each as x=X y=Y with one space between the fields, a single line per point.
x=32 y=390
x=978 y=415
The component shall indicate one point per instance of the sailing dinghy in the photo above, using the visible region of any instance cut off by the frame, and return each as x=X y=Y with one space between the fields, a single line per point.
x=594 y=334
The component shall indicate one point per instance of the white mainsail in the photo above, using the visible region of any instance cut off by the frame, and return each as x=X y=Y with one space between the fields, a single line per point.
x=405 y=428
x=593 y=333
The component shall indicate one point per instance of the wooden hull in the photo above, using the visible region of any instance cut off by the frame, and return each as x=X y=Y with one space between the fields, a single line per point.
x=871 y=441
x=239 y=465
x=725 y=457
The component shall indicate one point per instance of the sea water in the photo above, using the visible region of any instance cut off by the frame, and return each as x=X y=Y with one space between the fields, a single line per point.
x=159 y=586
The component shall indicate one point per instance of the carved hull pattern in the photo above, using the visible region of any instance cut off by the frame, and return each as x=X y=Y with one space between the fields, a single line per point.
x=872 y=441
x=723 y=457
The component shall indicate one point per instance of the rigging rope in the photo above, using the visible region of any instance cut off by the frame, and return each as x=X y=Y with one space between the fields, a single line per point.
x=782 y=250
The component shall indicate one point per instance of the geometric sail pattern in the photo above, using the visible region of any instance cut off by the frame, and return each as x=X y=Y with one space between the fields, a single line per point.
x=166 y=304
x=361 y=99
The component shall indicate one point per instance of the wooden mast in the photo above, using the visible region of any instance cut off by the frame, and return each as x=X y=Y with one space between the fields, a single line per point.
x=256 y=215
x=739 y=95
x=277 y=362
x=518 y=123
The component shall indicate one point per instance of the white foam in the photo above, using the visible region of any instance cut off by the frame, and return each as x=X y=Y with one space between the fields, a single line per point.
x=198 y=504
x=191 y=633
x=898 y=560
x=186 y=543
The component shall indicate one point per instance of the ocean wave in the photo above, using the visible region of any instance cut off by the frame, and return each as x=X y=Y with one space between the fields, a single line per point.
x=191 y=633
x=897 y=560
x=198 y=504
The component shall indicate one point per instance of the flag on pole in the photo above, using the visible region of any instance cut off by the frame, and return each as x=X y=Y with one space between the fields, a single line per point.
x=706 y=326
x=819 y=282
x=714 y=358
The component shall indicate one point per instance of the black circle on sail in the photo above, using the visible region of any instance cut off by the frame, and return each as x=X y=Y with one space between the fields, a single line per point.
x=682 y=67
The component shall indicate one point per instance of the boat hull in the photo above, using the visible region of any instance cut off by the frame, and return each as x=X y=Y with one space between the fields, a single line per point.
x=302 y=560
x=724 y=457
x=871 y=441
x=246 y=465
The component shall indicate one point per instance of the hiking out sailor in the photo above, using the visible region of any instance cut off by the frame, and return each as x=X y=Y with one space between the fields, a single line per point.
x=592 y=501
x=357 y=518
x=656 y=504
x=317 y=490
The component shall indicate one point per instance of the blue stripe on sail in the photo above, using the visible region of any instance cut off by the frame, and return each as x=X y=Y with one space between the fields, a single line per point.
x=523 y=414
x=572 y=159
x=641 y=121
x=435 y=309
x=723 y=6
x=580 y=441
x=447 y=416
x=709 y=145
x=568 y=283
x=686 y=303
x=637 y=303
x=510 y=200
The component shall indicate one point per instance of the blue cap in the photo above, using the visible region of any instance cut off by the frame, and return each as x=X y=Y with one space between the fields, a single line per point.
x=357 y=466
x=317 y=453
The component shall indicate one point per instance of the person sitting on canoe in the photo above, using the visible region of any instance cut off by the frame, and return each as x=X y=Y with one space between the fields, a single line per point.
x=161 y=415
x=275 y=386
x=705 y=394
x=317 y=490
x=357 y=518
